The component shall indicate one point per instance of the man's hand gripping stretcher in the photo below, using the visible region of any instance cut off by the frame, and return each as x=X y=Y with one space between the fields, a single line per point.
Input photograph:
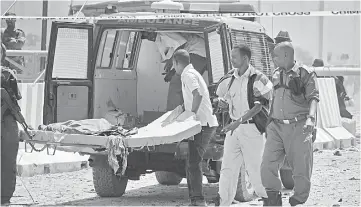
x=172 y=117
x=7 y=104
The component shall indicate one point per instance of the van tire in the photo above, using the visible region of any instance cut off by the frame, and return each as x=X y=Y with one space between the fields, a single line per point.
x=243 y=194
x=168 y=178
x=106 y=184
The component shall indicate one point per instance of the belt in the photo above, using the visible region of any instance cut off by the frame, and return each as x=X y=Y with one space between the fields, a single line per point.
x=246 y=122
x=290 y=121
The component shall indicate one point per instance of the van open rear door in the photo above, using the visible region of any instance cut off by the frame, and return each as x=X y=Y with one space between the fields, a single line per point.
x=69 y=74
x=218 y=47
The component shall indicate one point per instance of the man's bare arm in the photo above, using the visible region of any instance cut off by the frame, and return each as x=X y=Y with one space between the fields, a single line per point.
x=251 y=113
x=197 y=99
x=313 y=107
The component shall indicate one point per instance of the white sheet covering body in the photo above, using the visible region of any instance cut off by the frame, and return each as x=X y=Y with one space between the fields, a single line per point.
x=172 y=127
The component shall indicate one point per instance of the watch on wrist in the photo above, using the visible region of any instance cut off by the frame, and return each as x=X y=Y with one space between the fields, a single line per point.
x=311 y=117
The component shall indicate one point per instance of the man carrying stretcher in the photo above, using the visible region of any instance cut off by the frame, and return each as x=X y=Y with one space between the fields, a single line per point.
x=196 y=99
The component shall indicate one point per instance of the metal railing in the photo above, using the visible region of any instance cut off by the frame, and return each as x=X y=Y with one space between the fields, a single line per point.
x=32 y=70
x=338 y=71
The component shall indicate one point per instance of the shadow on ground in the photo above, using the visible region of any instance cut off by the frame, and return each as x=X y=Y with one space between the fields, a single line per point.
x=158 y=195
x=154 y=195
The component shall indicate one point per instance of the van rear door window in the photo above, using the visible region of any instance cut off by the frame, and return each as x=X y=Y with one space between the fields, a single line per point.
x=261 y=58
x=216 y=56
x=106 y=50
x=126 y=50
x=71 y=54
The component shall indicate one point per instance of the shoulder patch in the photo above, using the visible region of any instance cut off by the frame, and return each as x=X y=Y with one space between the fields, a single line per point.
x=260 y=76
x=258 y=72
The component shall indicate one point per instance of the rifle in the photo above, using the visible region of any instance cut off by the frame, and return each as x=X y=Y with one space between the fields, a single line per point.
x=7 y=103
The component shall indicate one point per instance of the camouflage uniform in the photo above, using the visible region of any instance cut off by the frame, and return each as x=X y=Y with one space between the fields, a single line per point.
x=13 y=39
x=285 y=136
x=9 y=137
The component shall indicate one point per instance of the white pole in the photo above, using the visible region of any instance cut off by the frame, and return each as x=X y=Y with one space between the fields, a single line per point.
x=321 y=28
x=9 y=8
x=81 y=8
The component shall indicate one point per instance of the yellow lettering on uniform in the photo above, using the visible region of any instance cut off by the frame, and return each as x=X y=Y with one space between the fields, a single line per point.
x=186 y=21
x=195 y=22
x=168 y=21
x=177 y=21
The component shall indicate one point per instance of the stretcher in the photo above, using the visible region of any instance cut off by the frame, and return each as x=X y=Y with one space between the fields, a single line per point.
x=172 y=127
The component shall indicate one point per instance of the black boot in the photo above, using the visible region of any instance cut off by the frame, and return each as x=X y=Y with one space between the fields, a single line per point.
x=294 y=202
x=198 y=203
x=274 y=199
x=264 y=200
x=5 y=201
x=217 y=200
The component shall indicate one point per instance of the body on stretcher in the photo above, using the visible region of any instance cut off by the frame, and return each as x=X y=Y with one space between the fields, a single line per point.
x=173 y=127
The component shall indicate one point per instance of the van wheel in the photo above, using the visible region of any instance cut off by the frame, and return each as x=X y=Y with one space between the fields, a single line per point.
x=106 y=184
x=168 y=178
x=245 y=191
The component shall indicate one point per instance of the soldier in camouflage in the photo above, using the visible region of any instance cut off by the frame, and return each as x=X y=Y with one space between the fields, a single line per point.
x=13 y=39
x=290 y=132
x=9 y=134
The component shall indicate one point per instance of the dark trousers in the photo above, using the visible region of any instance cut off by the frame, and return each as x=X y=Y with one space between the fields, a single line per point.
x=288 y=140
x=197 y=148
x=9 y=152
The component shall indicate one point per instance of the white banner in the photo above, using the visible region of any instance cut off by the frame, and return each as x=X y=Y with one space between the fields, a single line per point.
x=139 y=15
